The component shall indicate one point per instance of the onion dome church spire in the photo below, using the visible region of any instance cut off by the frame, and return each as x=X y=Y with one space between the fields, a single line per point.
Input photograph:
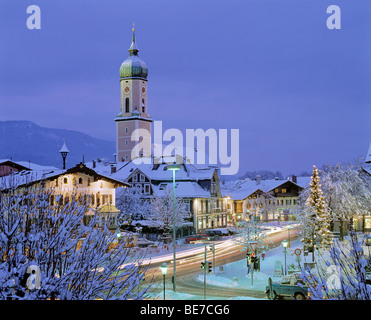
x=133 y=114
x=133 y=66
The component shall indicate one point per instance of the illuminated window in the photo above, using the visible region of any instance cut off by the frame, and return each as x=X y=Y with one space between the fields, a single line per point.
x=147 y=189
x=283 y=190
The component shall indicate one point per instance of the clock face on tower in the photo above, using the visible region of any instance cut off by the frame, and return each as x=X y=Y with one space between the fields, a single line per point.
x=127 y=89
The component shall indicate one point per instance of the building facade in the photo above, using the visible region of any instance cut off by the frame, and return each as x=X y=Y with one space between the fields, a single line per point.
x=78 y=183
x=268 y=199
x=197 y=185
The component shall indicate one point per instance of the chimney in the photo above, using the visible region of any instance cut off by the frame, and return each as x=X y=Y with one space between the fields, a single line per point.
x=257 y=179
x=93 y=163
x=113 y=169
x=294 y=179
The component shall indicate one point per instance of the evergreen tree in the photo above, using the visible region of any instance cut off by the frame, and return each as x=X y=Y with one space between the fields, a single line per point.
x=318 y=232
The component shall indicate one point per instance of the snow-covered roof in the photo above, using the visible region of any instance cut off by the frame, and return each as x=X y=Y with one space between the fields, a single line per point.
x=64 y=148
x=36 y=167
x=25 y=177
x=368 y=156
x=158 y=172
x=183 y=189
x=29 y=165
x=243 y=188
x=367 y=169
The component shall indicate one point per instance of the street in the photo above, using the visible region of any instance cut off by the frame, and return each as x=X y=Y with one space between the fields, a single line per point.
x=189 y=265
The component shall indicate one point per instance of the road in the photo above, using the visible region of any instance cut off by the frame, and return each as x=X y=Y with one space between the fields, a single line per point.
x=189 y=264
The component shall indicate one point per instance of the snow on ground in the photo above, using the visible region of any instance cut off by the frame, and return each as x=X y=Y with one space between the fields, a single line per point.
x=234 y=275
x=171 y=295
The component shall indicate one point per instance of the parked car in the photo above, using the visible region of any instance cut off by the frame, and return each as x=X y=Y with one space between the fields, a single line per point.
x=213 y=234
x=288 y=287
x=223 y=231
x=232 y=231
x=197 y=237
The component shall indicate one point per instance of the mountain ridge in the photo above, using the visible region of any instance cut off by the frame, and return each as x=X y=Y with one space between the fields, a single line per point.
x=24 y=140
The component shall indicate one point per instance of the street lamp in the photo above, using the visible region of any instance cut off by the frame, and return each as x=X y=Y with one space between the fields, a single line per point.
x=174 y=168
x=64 y=151
x=164 y=270
x=284 y=244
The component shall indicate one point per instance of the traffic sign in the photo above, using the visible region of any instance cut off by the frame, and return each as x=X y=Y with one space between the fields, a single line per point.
x=253 y=246
x=297 y=251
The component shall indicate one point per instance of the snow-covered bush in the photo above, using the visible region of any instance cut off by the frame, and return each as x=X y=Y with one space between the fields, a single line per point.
x=74 y=259
x=131 y=203
x=340 y=272
x=161 y=211
x=347 y=192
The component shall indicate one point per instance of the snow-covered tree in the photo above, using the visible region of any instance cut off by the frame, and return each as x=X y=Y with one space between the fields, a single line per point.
x=74 y=260
x=249 y=231
x=347 y=193
x=161 y=211
x=261 y=203
x=317 y=219
x=131 y=203
x=340 y=272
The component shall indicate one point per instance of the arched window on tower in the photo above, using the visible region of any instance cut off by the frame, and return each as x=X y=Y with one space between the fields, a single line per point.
x=127 y=105
x=143 y=105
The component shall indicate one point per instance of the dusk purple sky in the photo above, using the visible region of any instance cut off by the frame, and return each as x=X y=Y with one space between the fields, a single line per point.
x=299 y=93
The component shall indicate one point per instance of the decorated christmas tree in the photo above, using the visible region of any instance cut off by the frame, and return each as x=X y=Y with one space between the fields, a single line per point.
x=318 y=232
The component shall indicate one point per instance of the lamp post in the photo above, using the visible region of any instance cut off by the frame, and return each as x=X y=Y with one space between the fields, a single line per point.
x=284 y=244
x=164 y=270
x=174 y=168
x=64 y=151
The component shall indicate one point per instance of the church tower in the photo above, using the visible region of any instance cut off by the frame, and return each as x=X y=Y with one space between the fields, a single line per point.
x=133 y=114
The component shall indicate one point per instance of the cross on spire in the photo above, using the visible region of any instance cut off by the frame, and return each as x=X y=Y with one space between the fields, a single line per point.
x=133 y=48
